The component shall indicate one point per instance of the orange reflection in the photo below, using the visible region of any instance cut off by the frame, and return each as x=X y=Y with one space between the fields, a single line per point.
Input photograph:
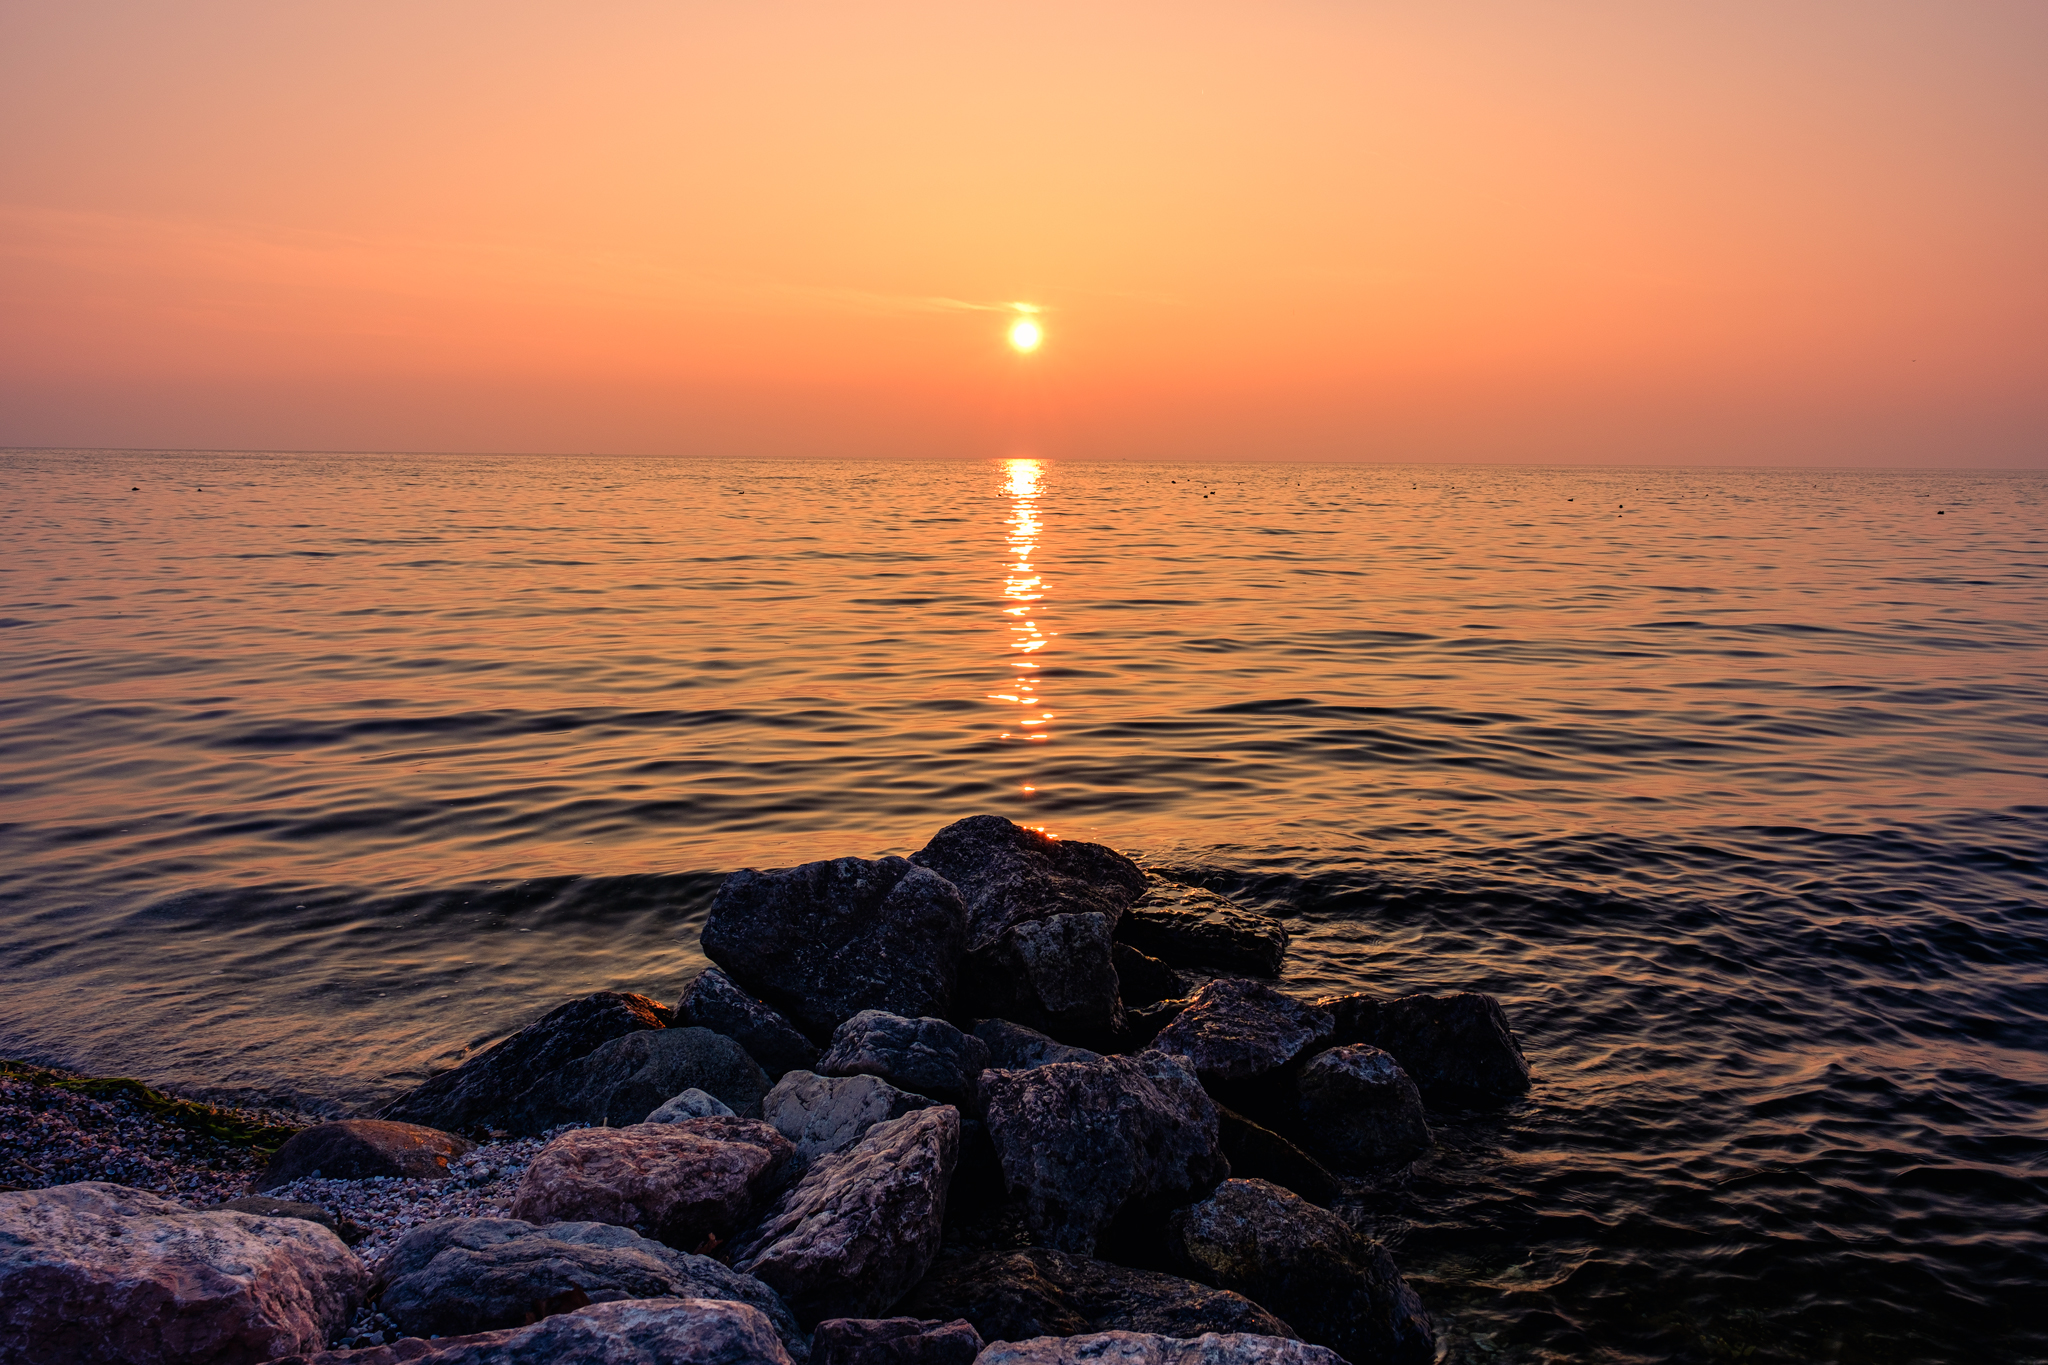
x=1025 y=589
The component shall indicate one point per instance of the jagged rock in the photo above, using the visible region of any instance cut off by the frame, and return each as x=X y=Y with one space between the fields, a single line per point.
x=1137 y=1348
x=628 y=1332
x=1259 y=1153
x=691 y=1104
x=1458 y=1045
x=863 y=1224
x=1357 y=1017
x=713 y=1001
x=1188 y=926
x=100 y=1274
x=1080 y=1141
x=826 y=940
x=827 y=1114
x=678 y=1183
x=359 y=1149
x=1143 y=980
x=1308 y=1266
x=469 y=1097
x=466 y=1275
x=1014 y=1295
x=1236 y=1030
x=926 y=1056
x=1009 y=875
x=1054 y=974
x=626 y=1079
x=894 y=1341
x=1357 y=1104
x=1012 y=1047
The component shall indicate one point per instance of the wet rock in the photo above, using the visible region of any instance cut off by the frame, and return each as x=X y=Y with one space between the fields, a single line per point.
x=1015 y=1295
x=1010 y=875
x=827 y=1114
x=360 y=1149
x=1187 y=926
x=100 y=1274
x=469 y=1097
x=1143 y=980
x=466 y=1275
x=1053 y=974
x=1012 y=1047
x=713 y=1001
x=862 y=1226
x=826 y=940
x=626 y=1079
x=1358 y=1105
x=678 y=1183
x=927 y=1056
x=1305 y=1264
x=1259 y=1153
x=1357 y=1017
x=628 y=1332
x=691 y=1104
x=895 y=1341
x=1138 y=1348
x=1078 y=1142
x=1456 y=1045
x=1236 y=1030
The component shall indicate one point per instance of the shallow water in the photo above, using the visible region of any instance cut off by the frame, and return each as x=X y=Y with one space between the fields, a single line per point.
x=319 y=770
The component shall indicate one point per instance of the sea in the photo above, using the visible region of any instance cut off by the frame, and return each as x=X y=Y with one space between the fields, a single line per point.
x=318 y=772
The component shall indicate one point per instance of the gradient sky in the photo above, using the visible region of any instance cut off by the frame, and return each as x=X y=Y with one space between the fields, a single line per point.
x=1730 y=233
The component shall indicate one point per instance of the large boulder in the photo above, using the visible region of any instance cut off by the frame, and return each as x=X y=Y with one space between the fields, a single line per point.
x=1357 y=1104
x=1188 y=926
x=1039 y=1292
x=895 y=1341
x=826 y=1114
x=863 y=1225
x=1139 y=1348
x=465 y=1275
x=628 y=1078
x=627 y=1332
x=927 y=1056
x=826 y=940
x=470 y=1097
x=679 y=1183
x=1237 y=1030
x=1456 y=1045
x=362 y=1149
x=100 y=1274
x=1078 y=1142
x=1012 y=1047
x=1305 y=1264
x=713 y=1001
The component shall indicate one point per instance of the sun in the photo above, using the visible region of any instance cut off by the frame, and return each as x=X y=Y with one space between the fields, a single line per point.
x=1025 y=335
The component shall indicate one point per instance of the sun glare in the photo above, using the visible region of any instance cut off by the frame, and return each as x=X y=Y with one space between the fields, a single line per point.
x=1025 y=334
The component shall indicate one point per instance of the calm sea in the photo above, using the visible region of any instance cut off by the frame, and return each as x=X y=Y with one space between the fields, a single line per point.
x=321 y=769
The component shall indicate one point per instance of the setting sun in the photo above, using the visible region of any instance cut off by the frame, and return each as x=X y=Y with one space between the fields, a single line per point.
x=1025 y=334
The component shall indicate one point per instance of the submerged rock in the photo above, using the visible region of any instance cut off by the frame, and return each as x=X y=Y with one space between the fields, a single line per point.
x=1138 y=1348
x=629 y=1332
x=678 y=1183
x=713 y=1001
x=1457 y=1045
x=895 y=1341
x=1357 y=1104
x=927 y=1056
x=1012 y=1047
x=1188 y=926
x=362 y=1149
x=826 y=1114
x=691 y=1104
x=1236 y=1030
x=623 y=1081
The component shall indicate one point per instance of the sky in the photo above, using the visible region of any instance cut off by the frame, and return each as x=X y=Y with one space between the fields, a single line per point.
x=1739 y=233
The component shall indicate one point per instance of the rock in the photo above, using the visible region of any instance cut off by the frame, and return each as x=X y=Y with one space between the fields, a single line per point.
x=926 y=1056
x=1457 y=1045
x=1053 y=974
x=263 y=1206
x=678 y=1183
x=358 y=1149
x=1010 y=875
x=1236 y=1030
x=1258 y=1153
x=827 y=1114
x=100 y=1274
x=894 y=1341
x=1357 y=1017
x=1308 y=1266
x=628 y=1332
x=626 y=1079
x=1357 y=1104
x=467 y=1098
x=1014 y=1295
x=1080 y=1141
x=1143 y=980
x=1143 y=1024
x=1137 y=1348
x=1190 y=927
x=826 y=940
x=466 y=1275
x=712 y=1001
x=1012 y=1047
x=863 y=1224
x=691 y=1104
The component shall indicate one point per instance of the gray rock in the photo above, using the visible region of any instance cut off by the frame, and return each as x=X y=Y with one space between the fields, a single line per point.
x=691 y=1104
x=713 y=1001
x=1012 y=1047
x=1236 y=1030
x=1190 y=927
x=466 y=1275
x=826 y=940
x=895 y=1341
x=1010 y=875
x=863 y=1225
x=1137 y=1348
x=1054 y=974
x=1357 y=1104
x=827 y=1114
x=628 y=1332
x=1080 y=1141
x=679 y=1183
x=468 y=1098
x=1305 y=1264
x=1143 y=980
x=361 y=1149
x=1456 y=1045
x=627 y=1079
x=100 y=1274
x=927 y=1056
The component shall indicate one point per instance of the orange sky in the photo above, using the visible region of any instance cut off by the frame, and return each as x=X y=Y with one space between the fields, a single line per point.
x=1736 y=233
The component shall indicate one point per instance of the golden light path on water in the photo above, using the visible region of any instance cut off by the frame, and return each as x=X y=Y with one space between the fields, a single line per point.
x=1024 y=588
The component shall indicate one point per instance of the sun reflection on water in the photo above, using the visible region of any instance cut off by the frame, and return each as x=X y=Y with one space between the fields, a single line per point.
x=1025 y=591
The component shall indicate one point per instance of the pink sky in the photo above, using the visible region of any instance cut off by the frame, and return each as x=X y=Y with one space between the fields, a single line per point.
x=1740 y=233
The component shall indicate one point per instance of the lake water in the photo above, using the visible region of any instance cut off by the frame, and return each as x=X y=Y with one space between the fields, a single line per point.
x=321 y=769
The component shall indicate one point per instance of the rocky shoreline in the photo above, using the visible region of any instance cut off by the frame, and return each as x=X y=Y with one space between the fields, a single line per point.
x=1013 y=1099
